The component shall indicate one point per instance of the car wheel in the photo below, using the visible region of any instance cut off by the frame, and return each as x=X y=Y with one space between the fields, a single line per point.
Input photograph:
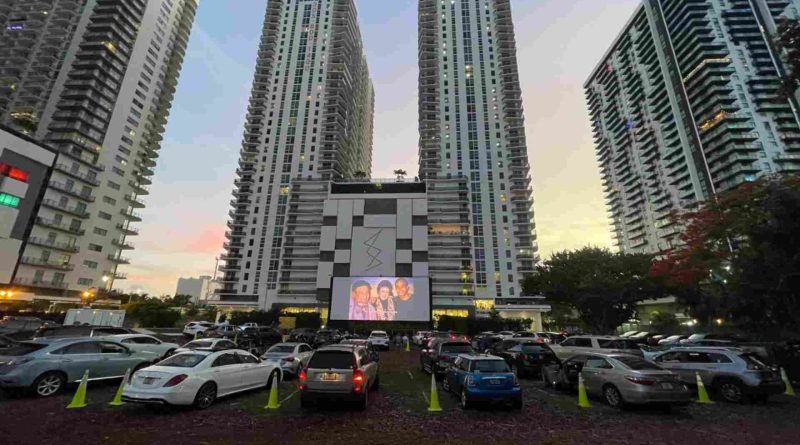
x=364 y=403
x=274 y=376
x=205 y=395
x=49 y=384
x=731 y=391
x=613 y=397
x=465 y=402
x=446 y=384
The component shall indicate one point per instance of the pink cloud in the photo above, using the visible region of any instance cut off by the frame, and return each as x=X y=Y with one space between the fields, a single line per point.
x=209 y=239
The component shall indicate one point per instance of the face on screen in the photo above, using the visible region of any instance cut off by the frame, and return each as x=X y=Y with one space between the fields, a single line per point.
x=401 y=288
x=384 y=292
x=380 y=299
x=361 y=295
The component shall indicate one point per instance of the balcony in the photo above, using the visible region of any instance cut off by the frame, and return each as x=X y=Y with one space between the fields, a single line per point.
x=39 y=283
x=122 y=244
x=76 y=211
x=64 y=247
x=130 y=215
x=61 y=187
x=127 y=229
x=119 y=259
x=135 y=202
x=53 y=224
x=39 y=262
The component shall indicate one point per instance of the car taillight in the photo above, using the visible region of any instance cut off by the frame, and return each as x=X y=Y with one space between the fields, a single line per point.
x=640 y=381
x=539 y=340
x=302 y=378
x=175 y=380
x=470 y=380
x=358 y=380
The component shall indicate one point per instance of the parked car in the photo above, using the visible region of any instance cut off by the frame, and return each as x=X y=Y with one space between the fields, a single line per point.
x=248 y=325
x=555 y=337
x=418 y=336
x=373 y=353
x=6 y=343
x=440 y=335
x=732 y=373
x=482 y=378
x=257 y=339
x=303 y=335
x=533 y=336
x=729 y=339
x=339 y=372
x=222 y=331
x=194 y=327
x=141 y=342
x=291 y=357
x=79 y=331
x=46 y=366
x=484 y=341
x=645 y=338
x=672 y=340
x=207 y=344
x=326 y=337
x=441 y=353
x=379 y=339
x=581 y=344
x=200 y=377
x=628 y=334
x=14 y=324
x=505 y=334
x=525 y=357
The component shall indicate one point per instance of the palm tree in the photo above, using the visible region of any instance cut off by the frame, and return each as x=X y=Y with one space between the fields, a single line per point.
x=360 y=175
x=400 y=173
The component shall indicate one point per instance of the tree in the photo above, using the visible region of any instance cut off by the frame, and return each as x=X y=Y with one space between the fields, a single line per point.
x=664 y=321
x=181 y=300
x=740 y=257
x=360 y=175
x=601 y=286
x=152 y=313
x=400 y=173
x=788 y=38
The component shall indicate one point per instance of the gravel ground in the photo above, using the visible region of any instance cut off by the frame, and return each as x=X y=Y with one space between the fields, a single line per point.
x=397 y=415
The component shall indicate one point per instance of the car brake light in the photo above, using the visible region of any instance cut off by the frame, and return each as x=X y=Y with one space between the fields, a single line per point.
x=539 y=340
x=175 y=380
x=640 y=381
x=358 y=380
x=470 y=380
x=302 y=378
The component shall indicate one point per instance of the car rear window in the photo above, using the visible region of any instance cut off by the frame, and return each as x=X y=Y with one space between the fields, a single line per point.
x=533 y=347
x=331 y=360
x=377 y=334
x=638 y=364
x=183 y=360
x=282 y=348
x=23 y=349
x=197 y=344
x=753 y=362
x=456 y=347
x=490 y=366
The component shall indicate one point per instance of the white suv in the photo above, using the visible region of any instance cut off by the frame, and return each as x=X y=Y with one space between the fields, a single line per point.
x=379 y=339
x=193 y=327
x=595 y=343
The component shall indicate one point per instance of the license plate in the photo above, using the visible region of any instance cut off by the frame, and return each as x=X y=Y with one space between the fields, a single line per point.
x=666 y=386
x=148 y=380
x=495 y=381
x=329 y=376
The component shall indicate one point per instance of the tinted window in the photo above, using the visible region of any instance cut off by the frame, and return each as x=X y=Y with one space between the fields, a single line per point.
x=88 y=347
x=331 y=360
x=594 y=362
x=583 y=342
x=112 y=348
x=719 y=358
x=22 y=349
x=247 y=358
x=183 y=360
x=281 y=348
x=618 y=344
x=456 y=347
x=698 y=357
x=669 y=357
x=568 y=342
x=637 y=364
x=489 y=366
x=146 y=341
x=305 y=348
x=197 y=344
x=226 y=345
x=225 y=360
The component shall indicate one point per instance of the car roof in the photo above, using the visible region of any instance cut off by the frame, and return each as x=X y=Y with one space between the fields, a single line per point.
x=481 y=357
x=130 y=335
x=378 y=332
x=340 y=347
x=288 y=343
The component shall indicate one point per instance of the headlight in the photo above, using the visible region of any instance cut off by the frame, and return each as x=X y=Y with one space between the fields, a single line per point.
x=18 y=361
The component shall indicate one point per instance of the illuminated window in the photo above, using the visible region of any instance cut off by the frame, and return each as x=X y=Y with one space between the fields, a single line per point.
x=13 y=173
x=9 y=200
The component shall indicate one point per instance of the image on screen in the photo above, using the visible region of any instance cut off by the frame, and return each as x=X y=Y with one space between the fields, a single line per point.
x=380 y=299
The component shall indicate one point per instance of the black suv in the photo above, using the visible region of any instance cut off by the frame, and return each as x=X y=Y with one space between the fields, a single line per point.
x=438 y=356
x=524 y=356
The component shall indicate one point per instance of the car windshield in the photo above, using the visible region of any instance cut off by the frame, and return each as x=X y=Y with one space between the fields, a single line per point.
x=183 y=360
x=456 y=347
x=378 y=334
x=490 y=366
x=197 y=344
x=12 y=323
x=281 y=348
x=637 y=364
x=331 y=360
x=533 y=347
x=23 y=349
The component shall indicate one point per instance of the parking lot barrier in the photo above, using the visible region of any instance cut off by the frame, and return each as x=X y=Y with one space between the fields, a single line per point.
x=79 y=399
x=434 y=406
x=273 y=402
x=702 y=394
x=118 y=396
x=788 y=383
x=583 y=399
x=197 y=335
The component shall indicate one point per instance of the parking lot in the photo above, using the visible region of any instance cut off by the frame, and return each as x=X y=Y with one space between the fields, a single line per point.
x=397 y=415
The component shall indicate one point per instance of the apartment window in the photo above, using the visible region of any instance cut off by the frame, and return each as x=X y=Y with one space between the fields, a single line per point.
x=90 y=264
x=95 y=248
x=85 y=281
x=108 y=200
x=113 y=185
x=104 y=215
x=99 y=231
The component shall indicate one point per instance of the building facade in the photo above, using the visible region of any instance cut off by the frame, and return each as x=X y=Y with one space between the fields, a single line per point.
x=472 y=129
x=310 y=118
x=94 y=80
x=683 y=106
x=25 y=168
x=201 y=289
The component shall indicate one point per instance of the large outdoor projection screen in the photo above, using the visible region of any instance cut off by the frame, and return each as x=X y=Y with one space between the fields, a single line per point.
x=381 y=299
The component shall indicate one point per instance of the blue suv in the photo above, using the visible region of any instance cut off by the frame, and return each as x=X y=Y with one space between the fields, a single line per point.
x=482 y=378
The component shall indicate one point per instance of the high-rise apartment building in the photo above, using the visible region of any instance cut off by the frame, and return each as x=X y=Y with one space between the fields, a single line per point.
x=472 y=128
x=684 y=106
x=310 y=117
x=94 y=80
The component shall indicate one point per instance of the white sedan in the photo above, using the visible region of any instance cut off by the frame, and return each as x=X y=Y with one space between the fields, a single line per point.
x=200 y=377
x=207 y=344
x=291 y=357
x=146 y=343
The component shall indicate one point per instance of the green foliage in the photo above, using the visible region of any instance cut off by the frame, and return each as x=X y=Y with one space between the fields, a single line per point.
x=788 y=39
x=180 y=300
x=152 y=313
x=474 y=325
x=663 y=321
x=740 y=258
x=263 y=318
x=307 y=320
x=601 y=286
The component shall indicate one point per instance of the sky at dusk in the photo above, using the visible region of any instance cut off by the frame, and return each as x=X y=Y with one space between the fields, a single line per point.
x=558 y=42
